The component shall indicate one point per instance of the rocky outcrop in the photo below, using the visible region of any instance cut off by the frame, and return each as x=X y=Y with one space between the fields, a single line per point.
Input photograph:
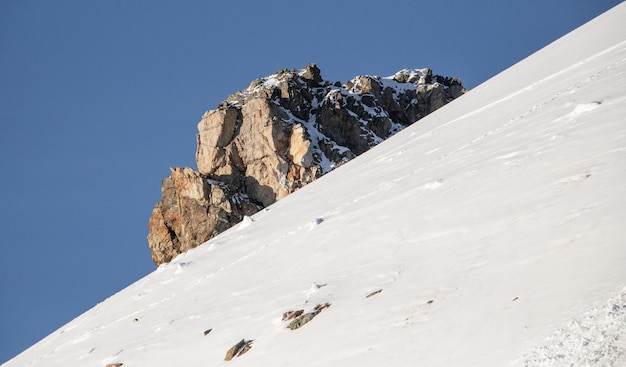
x=277 y=135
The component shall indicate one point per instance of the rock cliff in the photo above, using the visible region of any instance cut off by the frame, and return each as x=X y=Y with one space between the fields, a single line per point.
x=277 y=135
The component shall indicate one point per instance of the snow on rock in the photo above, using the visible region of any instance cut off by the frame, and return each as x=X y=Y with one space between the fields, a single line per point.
x=516 y=259
x=280 y=133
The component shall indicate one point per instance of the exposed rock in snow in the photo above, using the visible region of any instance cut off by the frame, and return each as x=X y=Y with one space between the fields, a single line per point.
x=373 y=293
x=303 y=318
x=279 y=134
x=238 y=349
x=290 y=315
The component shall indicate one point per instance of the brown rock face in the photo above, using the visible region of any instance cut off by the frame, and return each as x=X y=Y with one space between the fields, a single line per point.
x=192 y=210
x=279 y=134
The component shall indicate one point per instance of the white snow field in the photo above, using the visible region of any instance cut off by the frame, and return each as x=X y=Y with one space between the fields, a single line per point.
x=494 y=230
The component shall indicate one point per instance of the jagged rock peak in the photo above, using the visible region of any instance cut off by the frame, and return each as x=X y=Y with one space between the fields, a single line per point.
x=280 y=133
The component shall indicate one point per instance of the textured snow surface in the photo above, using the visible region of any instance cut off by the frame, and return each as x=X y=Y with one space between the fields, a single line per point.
x=595 y=339
x=491 y=233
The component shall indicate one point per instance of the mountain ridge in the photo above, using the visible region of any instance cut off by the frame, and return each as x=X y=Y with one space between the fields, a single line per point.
x=280 y=133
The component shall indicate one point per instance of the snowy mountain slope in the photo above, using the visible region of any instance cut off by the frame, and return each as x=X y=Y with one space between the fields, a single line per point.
x=494 y=230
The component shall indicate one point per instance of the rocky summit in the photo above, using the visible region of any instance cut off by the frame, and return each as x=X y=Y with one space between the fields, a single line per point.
x=277 y=135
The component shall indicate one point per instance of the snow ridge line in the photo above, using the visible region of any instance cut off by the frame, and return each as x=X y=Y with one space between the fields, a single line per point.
x=402 y=147
x=536 y=107
x=522 y=90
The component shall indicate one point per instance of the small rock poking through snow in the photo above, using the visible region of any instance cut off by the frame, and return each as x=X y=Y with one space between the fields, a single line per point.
x=314 y=223
x=238 y=349
x=373 y=293
x=304 y=318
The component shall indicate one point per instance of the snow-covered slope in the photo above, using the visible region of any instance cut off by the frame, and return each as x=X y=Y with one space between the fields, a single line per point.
x=494 y=231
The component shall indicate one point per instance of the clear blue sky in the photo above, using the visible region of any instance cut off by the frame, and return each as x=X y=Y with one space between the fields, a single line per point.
x=99 y=98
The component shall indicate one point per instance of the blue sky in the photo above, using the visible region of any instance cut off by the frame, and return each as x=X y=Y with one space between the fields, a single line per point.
x=99 y=98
